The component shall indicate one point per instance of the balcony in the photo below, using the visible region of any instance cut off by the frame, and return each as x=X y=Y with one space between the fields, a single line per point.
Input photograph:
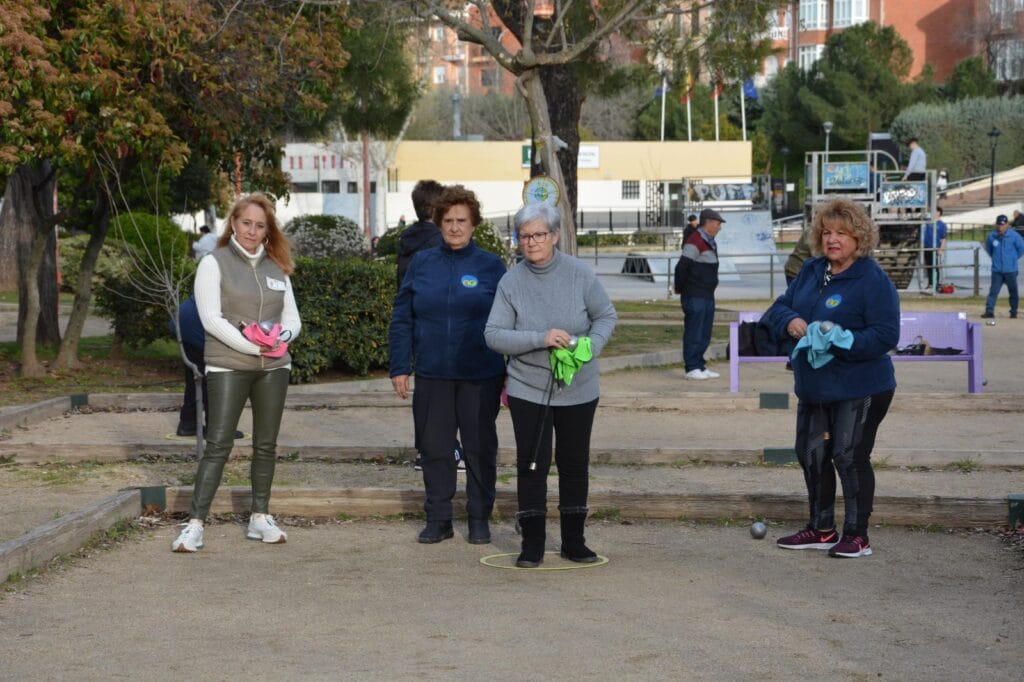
x=778 y=33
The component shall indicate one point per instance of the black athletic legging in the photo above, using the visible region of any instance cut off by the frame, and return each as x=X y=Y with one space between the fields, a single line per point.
x=838 y=438
x=572 y=425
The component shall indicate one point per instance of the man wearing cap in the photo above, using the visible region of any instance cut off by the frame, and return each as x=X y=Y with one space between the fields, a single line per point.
x=1005 y=247
x=696 y=279
x=690 y=228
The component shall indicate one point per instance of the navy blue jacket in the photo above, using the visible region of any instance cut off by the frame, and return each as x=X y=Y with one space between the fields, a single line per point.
x=696 y=273
x=439 y=315
x=861 y=299
x=192 y=332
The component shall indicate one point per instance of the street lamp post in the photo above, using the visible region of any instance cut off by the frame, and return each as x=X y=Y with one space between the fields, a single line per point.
x=993 y=140
x=827 y=127
x=784 y=151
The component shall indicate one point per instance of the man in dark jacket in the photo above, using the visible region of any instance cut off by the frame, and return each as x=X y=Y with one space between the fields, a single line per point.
x=422 y=234
x=696 y=279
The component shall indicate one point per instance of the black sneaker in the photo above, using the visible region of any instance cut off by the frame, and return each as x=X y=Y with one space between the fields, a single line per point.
x=460 y=461
x=1013 y=316
x=987 y=315
x=809 y=538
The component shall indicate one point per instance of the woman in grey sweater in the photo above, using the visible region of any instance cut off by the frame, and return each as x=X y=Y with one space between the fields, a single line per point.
x=545 y=302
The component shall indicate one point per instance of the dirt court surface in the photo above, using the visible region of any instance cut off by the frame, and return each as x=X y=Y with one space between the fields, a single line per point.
x=363 y=600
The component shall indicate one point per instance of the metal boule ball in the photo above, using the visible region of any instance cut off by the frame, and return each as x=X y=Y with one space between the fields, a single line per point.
x=758 y=530
x=825 y=326
x=991 y=323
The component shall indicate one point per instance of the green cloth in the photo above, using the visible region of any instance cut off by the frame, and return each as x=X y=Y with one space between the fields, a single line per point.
x=565 y=362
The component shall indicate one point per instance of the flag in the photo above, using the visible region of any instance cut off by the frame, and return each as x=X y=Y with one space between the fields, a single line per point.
x=749 y=90
x=717 y=91
x=687 y=93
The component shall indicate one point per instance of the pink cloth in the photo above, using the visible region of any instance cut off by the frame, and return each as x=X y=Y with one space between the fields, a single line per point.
x=255 y=333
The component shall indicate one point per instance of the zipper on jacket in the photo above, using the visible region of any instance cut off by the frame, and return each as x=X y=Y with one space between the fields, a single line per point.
x=259 y=288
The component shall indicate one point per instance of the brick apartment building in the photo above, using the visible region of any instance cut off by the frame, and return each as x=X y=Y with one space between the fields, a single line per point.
x=940 y=33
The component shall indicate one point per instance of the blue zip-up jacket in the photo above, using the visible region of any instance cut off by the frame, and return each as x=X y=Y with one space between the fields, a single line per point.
x=437 y=324
x=861 y=299
x=1005 y=250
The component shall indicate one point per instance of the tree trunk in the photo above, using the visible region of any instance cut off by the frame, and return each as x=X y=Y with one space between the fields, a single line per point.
x=532 y=90
x=27 y=217
x=565 y=104
x=67 y=356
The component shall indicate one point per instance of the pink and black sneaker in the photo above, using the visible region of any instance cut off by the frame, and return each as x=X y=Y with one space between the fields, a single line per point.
x=809 y=538
x=851 y=547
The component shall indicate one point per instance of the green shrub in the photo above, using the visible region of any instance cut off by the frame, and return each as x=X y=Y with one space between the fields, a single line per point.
x=138 y=245
x=614 y=239
x=345 y=308
x=387 y=245
x=647 y=238
x=488 y=238
x=70 y=252
x=326 y=236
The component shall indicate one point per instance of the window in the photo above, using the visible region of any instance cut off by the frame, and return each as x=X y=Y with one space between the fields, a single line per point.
x=1003 y=11
x=438 y=34
x=392 y=179
x=808 y=55
x=771 y=66
x=1009 y=59
x=849 y=12
x=438 y=75
x=630 y=189
x=813 y=15
x=304 y=187
x=353 y=187
x=330 y=186
x=488 y=78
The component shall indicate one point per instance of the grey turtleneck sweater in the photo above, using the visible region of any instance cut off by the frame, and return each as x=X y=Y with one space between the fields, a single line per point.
x=564 y=293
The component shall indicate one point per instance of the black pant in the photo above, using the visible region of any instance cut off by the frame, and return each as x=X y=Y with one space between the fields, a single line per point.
x=929 y=267
x=572 y=425
x=187 y=415
x=839 y=437
x=443 y=407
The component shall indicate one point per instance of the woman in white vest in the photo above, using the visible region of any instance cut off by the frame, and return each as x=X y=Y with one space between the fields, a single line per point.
x=244 y=281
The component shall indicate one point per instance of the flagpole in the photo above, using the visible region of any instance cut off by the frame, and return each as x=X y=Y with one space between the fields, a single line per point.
x=716 y=112
x=664 y=93
x=689 y=124
x=743 y=111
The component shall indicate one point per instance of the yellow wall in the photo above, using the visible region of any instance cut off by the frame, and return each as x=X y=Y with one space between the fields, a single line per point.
x=497 y=161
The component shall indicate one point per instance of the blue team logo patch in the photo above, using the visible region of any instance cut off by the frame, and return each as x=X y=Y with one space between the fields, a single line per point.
x=833 y=301
x=469 y=281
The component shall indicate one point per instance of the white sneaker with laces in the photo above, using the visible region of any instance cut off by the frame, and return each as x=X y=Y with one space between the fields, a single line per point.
x=711 y=373
x=697 y=374
x=262 y=527
x=190 y=539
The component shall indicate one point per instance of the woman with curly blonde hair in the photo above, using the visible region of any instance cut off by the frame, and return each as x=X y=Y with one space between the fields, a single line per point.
x=844 y=312
x=244 y=296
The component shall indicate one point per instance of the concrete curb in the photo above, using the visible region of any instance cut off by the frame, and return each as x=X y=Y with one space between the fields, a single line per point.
x=66 y=534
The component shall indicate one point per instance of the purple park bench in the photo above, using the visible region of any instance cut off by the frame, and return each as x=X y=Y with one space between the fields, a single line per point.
x=940 y=330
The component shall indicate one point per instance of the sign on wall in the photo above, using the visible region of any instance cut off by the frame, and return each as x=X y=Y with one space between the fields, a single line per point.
x=589 y=156
x=838 y=176
x=904 y=194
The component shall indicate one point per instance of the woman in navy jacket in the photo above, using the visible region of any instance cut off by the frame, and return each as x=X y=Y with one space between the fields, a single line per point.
x=841 y=402
x=437 y=327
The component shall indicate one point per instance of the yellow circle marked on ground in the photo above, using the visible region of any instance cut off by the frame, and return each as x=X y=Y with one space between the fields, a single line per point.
x=508 y=561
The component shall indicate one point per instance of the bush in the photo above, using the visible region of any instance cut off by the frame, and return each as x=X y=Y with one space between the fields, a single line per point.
x=326 y=236
x=615 y=239
x=387 y=245
x=345 y=308
x=488 y=238
x=139 y=239
x=70 y=252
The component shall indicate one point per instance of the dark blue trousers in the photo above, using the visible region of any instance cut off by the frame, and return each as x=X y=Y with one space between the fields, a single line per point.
x=470 y=408
x=698 y=319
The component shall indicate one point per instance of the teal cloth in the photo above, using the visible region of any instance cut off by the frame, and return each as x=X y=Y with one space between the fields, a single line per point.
x=565 y=362
x=818 y=343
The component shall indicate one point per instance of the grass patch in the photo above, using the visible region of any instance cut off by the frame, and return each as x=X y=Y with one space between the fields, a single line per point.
x=505 y=479
x=59 y=473
x=628 y=339
x=612 y=514
x=964 y=466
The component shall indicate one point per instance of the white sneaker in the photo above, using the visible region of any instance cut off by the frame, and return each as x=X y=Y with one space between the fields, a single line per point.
x=697 y=374
x=262 y=527
x=191 y=538
x=711 y=373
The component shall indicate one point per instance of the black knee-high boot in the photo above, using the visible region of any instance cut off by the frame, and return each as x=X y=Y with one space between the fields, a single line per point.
x=574 y=545
x=531 y=524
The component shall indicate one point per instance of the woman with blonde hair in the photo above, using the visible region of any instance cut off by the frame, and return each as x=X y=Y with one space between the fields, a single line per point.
x=844 y=313
x=247 y=307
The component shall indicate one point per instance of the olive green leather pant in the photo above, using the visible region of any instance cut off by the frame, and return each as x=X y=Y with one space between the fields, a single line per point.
x=228 y=391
